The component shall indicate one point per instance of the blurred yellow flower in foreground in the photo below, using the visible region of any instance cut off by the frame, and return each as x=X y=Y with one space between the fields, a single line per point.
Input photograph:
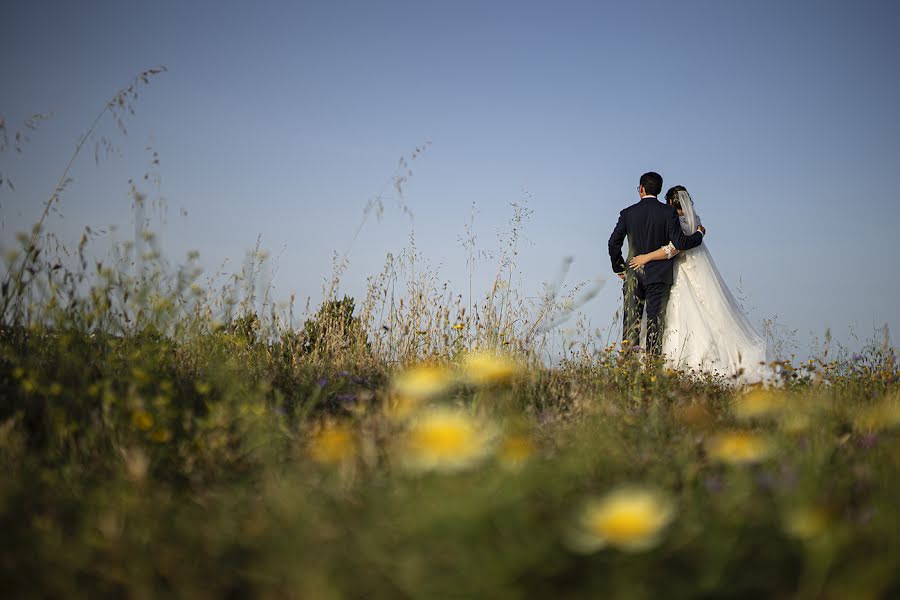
x=142 y=420
x=332 y=443
x=446 y=439
x=515 y=451
x=805 y=522
x=739 y=447
x=161 y=435
x=416 y=385
x=758 y=403
x=630 y=519
x=486 y=368
x=422 y=382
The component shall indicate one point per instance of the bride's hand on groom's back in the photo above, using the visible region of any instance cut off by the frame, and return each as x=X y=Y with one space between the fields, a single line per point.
x=639 y=261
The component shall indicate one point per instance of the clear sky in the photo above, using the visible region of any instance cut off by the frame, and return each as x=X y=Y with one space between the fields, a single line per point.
x=283 y=119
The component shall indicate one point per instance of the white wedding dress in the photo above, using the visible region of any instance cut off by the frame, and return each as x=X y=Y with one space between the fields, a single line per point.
x=706 y=330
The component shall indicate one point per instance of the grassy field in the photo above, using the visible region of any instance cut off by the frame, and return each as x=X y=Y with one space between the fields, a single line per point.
x=160 y=438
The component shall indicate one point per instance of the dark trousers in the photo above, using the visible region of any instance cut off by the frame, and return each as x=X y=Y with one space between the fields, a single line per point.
x=653 y=297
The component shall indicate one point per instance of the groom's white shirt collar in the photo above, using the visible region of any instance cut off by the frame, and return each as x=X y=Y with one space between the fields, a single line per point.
x=649 y=196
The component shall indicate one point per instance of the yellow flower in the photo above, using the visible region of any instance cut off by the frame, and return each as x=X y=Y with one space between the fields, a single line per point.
x=485 y=368
x=423 y=382
x=140 y=375
x=417 y=385
x=630 y=519
x=458 y=326
x=142 y=420
x=161 y=435
x=515 y=451
x=758 y=403
x=333 y=443
x=805 y=522
x=445 y=439
x=739 y=447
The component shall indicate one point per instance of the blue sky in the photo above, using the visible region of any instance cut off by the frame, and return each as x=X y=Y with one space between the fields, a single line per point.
x=281 y=120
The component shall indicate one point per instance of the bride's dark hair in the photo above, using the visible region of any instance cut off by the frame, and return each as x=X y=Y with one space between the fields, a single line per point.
x=670 y=196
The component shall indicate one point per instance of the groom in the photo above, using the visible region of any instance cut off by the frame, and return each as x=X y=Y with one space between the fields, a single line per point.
x=649 y=225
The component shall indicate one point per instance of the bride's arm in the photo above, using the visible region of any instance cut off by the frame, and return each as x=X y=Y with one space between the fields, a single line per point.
x=665 y=253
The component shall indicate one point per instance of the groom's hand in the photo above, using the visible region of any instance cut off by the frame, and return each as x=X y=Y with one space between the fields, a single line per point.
x=621 y=276
x=702 y=229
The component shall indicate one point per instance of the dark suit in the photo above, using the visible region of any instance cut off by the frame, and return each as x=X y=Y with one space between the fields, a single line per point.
x=649 y=225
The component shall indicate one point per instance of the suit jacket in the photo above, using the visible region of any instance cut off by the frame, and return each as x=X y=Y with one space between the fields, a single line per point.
x=649 y=225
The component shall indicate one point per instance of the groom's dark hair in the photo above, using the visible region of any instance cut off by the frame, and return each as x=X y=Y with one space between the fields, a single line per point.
x=652 y=183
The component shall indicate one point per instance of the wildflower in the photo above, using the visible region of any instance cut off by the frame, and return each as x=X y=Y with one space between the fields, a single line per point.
x=758 y=403
x=446 y=439
x=515 y=451
x=332 y=444
x=484 y=368
x=805 y=522
x=739 y=447
x=417 y=385
x=458 y=326
x=142 y=420
x=630 y=519
x=140 y=375
x=161 y=435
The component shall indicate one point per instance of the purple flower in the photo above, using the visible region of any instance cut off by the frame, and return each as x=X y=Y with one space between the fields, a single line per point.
x=868 y=441
x=322 y=382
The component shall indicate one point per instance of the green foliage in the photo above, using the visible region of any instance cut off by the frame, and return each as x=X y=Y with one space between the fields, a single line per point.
x=332 y=328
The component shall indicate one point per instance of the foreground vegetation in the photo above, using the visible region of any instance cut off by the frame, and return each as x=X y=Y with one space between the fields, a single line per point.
x=155 y=443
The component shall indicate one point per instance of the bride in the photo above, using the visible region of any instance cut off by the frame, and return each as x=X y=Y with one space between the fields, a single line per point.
x=706 y=330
